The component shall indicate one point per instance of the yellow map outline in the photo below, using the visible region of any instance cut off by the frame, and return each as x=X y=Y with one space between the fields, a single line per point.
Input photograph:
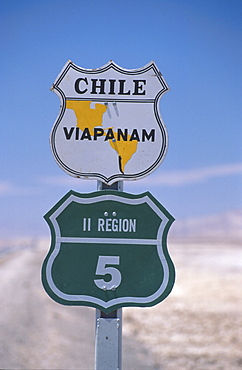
x=90 y=118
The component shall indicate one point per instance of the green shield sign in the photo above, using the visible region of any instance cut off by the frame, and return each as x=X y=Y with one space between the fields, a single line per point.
x=108 y=250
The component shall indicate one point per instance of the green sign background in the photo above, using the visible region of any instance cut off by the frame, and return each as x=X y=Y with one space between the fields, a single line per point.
x=69 y=269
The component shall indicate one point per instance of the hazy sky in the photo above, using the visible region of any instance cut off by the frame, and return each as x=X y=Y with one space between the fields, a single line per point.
x=197 y=47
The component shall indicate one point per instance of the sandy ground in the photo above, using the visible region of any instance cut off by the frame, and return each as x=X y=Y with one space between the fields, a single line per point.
x=199 y=326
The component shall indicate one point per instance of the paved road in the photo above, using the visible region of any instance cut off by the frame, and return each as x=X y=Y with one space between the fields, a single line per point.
x=38 y=333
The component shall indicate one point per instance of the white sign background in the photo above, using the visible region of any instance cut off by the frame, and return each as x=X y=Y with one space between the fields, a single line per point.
x=97 y=159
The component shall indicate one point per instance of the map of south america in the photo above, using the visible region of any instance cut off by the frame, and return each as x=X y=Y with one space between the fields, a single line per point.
x=90 y=118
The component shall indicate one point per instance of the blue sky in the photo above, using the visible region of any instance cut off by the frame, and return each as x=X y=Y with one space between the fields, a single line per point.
x=197 y=47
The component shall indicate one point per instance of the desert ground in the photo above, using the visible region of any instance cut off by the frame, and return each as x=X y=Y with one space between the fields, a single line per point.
x=198 y=326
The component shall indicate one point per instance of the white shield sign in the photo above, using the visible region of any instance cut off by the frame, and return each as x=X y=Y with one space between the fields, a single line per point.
x=109 y=127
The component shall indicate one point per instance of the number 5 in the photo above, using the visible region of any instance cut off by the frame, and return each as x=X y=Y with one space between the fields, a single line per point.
x=103 y=270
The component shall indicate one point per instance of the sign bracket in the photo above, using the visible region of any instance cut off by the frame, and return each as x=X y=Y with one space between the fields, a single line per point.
x=118 y=185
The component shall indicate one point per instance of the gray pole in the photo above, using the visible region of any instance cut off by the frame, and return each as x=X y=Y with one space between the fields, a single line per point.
x=108 y=336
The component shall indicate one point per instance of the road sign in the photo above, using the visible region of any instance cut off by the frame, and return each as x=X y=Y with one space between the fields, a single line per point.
x=108 y=250
x=109 y=127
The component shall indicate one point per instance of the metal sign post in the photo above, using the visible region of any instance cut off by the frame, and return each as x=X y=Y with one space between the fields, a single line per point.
x=108 y=333
x=108 y=340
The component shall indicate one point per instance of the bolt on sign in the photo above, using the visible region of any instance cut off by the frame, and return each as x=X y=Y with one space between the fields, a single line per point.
x=108 y=250
x=109 y=127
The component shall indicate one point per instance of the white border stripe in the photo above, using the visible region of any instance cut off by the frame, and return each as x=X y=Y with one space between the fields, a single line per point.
x=106 y=240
